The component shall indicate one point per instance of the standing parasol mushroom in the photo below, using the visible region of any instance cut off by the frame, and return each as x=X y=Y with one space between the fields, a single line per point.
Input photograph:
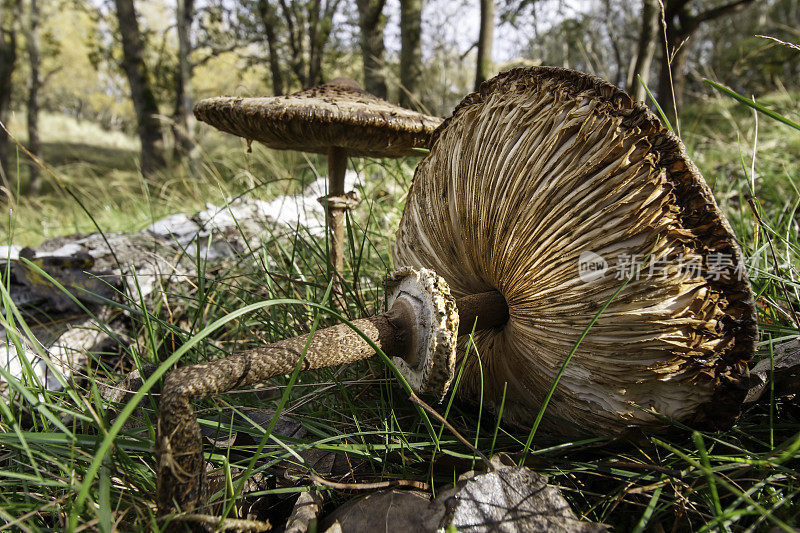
x=540 y=168
x=338 y=119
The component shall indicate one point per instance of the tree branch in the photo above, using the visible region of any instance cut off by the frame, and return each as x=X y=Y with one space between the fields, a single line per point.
x=214 y=52
x=721 y=11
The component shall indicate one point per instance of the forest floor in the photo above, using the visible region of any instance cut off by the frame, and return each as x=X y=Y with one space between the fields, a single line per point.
x=746 y=478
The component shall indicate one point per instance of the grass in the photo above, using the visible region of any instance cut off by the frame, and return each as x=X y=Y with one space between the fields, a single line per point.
x=356 y=416
x=100 y=168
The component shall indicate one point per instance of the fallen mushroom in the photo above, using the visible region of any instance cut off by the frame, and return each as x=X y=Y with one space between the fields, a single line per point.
x=544 y=169
x=418 y=332
x=537 y=168
x=338 y=119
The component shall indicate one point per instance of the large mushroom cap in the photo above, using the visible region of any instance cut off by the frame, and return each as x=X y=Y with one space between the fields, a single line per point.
x=546 y=168
x=336 y=114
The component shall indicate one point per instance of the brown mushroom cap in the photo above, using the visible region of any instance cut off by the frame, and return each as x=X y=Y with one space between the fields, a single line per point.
x=538 y=167
x=338 y=113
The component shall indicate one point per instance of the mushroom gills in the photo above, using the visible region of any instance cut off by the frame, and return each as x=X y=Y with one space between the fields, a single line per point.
x=540 y=167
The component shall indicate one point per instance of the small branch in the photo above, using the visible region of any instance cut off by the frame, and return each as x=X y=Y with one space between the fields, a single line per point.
x=721 y=10
x=216 y=52
x=369 y=486
x=470 y=49
x=49 y=74
x=415 y=399
x=228 y=524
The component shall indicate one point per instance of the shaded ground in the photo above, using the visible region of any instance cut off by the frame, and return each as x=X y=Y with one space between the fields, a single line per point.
x=73 y=158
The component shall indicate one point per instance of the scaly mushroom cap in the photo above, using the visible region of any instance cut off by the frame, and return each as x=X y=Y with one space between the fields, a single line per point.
x=543 y=169
x=338 y=113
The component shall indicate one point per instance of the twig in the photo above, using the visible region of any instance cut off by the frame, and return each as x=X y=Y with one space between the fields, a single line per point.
x=668 y=58
x=421 y=485
x=790 y=45
x=642 y=466
x=228 y=524
x=415 y=399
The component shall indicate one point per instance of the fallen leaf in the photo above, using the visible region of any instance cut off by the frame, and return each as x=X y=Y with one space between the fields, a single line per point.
x=306 y=512
x=783 y=370
x=387 y=511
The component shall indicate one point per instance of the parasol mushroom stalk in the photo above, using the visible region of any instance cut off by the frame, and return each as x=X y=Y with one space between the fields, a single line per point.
x=338 y=119
x=419 y=333
x=539 y=170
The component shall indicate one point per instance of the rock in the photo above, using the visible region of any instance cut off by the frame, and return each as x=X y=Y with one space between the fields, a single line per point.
x=387 y=511
x=100 y=268
x=507 y=498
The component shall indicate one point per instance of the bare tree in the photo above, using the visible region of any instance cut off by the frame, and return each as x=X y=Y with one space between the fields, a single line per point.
x=9 y=17
x=484 y=67
x=34 y=84
x=681 y=22
x=410 y=50
x=309 y=26
x=256 y=31
x=271 y=21
x=182 y=119
x=142 y=95
x=645 y=49
x=373 y=22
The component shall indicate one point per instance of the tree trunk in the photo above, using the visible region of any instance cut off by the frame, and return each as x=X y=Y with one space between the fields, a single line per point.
x=297 y=56
x=314 y=48
x=9 y=10
x=485 y=41
x=645 y=50
x=677 y=35
x=144 y=100
x=320 y=26
x=672 y=81
x=410 y=51
x=269 y=18
x=308 y=26
x=373 y=52
x=35 y=83
x=183 y=120
x=274 y=61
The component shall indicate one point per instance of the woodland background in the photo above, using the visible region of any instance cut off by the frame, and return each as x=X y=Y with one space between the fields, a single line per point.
x=136 y=67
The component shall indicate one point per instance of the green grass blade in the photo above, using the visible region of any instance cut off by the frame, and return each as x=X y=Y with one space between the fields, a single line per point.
x=761 y=108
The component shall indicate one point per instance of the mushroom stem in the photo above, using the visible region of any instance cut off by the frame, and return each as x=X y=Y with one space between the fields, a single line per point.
x=181 y=466
x=489 y=309
x=337 y=166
